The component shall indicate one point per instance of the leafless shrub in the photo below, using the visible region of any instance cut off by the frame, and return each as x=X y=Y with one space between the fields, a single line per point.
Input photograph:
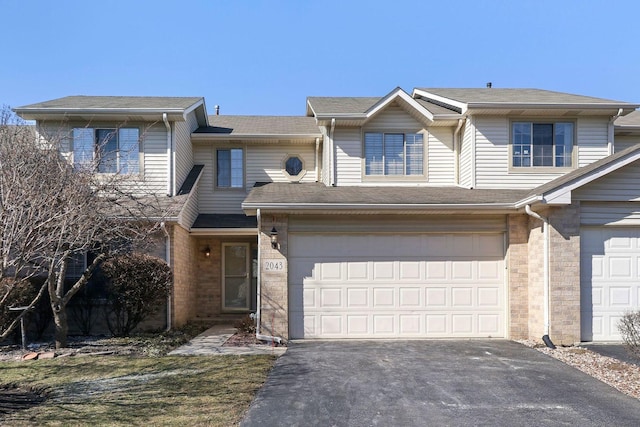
x=629 y=328
x=138 y=285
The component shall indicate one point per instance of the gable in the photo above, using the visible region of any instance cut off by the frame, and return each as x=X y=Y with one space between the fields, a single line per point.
x=620 y=185
x=394 y=117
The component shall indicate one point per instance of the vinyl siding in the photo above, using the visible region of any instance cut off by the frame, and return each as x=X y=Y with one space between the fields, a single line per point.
x=492 y=152
x=153 y=146
x=440 y=158
x=348 y=145
x=263 y=163
x=623 y=142
x=619 y=214
x=592 y=140
x=182 y=144
x=394 y=117
x=396 y=223
x=621 y=185
x=466 y=163
x=349 y=152
x=190 y=210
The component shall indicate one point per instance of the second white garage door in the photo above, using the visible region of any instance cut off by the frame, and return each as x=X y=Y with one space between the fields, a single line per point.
x=609 y=279
x=396 y=286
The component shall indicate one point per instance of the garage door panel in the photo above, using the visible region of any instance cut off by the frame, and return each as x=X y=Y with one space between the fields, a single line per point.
x=610 y=279
x=357 y=271
x=436 y=285
x=410 y=297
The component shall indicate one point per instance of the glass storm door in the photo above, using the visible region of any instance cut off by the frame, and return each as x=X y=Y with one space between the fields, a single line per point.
x=236 y=280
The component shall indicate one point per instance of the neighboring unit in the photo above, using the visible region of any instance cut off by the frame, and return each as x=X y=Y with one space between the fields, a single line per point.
x=467 y=213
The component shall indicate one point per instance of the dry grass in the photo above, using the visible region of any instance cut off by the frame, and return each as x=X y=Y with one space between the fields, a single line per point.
x=138 y=390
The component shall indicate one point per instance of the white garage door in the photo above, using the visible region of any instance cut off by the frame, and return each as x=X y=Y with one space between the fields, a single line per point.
x=396 y=286
x=609 y=278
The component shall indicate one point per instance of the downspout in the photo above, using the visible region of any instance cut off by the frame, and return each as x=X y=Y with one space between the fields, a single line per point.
x=473 y=152
x=167 y=257
x=545 y=269
x=165 y=119
x=610 y=132
x=456 y=152
x=317 y=160
x=332 y=168
x=259 y=336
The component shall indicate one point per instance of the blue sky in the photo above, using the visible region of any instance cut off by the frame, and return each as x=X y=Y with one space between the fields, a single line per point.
x=266 y=57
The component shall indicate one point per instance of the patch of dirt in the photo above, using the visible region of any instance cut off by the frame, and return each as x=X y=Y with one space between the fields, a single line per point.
x=15 y=398
x=241 y=339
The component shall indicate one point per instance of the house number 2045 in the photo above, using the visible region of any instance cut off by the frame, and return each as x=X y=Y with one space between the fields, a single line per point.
x=273 y=265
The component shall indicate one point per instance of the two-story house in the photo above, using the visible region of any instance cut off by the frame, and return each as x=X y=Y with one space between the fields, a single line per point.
x=506 y=213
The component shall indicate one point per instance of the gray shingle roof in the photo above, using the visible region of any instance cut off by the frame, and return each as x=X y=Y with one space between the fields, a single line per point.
x=327 y=105
x=115 y=102
x=190 y=180
x=225 y=221
x=318 y=193
x=583 y=171
x=630 y=120
x=519 y=96
x=261 y=125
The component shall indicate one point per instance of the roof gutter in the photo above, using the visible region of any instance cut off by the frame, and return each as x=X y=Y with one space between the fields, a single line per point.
x=224 y=231
x=262 y=136
x=545 y=269
x=377 y=206
x=610 y=131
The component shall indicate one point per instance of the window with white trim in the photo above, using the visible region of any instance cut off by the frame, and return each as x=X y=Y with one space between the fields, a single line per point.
x=110 y=150
x=230 y=168
x=393 y=154
x=542 y=144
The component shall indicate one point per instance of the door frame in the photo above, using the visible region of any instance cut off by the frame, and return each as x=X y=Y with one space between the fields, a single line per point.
x=247 y=247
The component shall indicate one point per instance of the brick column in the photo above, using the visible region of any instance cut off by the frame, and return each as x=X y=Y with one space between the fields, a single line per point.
x=564 y=271
x=183 y=252
x=274 y=295
x=518 y=276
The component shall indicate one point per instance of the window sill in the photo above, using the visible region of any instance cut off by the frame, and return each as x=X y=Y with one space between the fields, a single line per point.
x=391 y=178
x=538 y=170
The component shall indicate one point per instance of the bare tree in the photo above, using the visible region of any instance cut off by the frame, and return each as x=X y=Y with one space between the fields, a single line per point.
x=51 y=211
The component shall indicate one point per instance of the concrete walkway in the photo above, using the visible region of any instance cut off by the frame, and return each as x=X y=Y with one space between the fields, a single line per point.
x=209 y=343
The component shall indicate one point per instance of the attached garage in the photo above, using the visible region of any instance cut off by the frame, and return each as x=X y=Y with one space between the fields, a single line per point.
x=404 y=285
x=610 y=279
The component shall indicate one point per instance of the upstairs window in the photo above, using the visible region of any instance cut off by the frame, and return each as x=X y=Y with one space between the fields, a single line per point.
x=230 y=168
x=393 y=154
x=542 y=144
x=111 y=150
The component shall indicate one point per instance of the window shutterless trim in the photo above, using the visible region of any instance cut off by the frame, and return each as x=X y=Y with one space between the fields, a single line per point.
x=543 y=169
x=215 y=168
x=404 y=178
x=115 y=127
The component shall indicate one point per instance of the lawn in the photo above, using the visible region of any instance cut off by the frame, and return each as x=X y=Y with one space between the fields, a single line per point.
x=110 y=390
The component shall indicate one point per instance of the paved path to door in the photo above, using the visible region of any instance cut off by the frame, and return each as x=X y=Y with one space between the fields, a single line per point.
x=433 y=383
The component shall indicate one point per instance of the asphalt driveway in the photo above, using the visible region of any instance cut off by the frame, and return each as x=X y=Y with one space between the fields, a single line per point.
x=433 y=383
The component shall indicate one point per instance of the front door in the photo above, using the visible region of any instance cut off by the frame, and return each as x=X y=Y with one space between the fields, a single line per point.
x=236 y=280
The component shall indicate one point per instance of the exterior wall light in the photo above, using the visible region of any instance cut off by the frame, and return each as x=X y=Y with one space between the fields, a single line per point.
x=207 y=251
x=274 y=238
